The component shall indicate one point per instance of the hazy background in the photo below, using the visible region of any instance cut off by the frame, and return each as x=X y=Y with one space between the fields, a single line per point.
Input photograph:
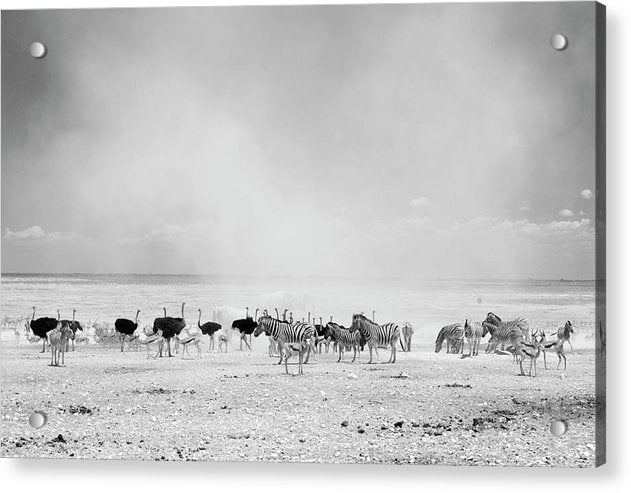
x=426 y=141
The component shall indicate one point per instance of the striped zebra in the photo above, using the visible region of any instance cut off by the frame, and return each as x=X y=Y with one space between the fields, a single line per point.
x=473 y=333
x=58 y=341
x=507 y=333
x=298 y=336
x=344 y=339
x=407 y=331
x=493 y=323
x=454 y=335
x=376 y=335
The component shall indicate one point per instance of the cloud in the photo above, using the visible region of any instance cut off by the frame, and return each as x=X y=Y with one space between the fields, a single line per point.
x=419 y=202
x=169 y=233
x=487 y=227
x=581 y=213
x=34 y=234
x=566 y=213
x=587 y=194
x=524 y=208
x=404 y=226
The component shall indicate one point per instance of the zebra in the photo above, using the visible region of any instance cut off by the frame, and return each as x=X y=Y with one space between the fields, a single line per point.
x=58 y=341
x=453 y=334
x=473 y=333
x=492 y=323
x=563 y=334
x=377 y=335
x=511 y=333
x=290 y=336
x=407 y=331
x=344 y=338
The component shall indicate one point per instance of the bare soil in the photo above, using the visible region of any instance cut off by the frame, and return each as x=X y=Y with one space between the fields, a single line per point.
x=425 y=409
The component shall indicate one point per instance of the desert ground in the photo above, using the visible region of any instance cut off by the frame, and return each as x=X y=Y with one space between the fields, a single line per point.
x=426 y=408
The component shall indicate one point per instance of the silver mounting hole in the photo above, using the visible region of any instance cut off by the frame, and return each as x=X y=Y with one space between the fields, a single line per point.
x=558 y=42
x=37 y=419
x=558 y=427
x=37 y=50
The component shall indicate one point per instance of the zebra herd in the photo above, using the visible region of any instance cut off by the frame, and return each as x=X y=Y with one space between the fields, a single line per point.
x=513 y=336
x=305 y=338
x=301 y=337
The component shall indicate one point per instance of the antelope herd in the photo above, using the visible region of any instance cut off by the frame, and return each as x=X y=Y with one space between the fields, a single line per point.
x=288 y=337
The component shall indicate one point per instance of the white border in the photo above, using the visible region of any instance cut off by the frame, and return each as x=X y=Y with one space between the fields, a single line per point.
x=108 y=476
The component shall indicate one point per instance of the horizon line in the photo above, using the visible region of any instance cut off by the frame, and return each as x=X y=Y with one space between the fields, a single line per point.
x=563 y=279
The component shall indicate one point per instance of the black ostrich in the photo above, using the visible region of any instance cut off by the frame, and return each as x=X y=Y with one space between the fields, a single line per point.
x=158 y=321
x=208 y=329
x=42 y=326
x=126 y=327
x=246 y=327
x=73 y=324
x=320 y=333
x=181 y=319
x=170 y=327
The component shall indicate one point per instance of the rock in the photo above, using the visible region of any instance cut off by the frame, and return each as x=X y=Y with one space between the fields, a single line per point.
x=361 y=431
x=351 y=376
x=399 y=424
x=59 y=439
x=344 y=424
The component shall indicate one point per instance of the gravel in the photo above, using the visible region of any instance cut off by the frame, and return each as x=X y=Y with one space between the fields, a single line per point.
x=425 y=409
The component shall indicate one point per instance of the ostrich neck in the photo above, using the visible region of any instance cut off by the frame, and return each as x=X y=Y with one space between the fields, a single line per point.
x=199 y=320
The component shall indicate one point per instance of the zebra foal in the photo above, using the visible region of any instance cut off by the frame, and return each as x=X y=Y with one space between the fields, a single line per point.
x=297 y=336
x=344 y=338
x=58 y=341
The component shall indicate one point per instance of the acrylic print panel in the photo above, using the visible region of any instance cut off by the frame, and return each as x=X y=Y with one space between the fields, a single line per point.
x=349 y=234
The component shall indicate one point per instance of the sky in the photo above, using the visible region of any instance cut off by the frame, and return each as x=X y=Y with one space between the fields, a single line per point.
x=426 y=141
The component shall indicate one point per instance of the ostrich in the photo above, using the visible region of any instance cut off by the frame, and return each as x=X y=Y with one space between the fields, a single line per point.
x=169 y=327
x=246 y=327
x=320 y=334
x=181 y=319
x=42 y=326
x=126 y=327
x=208 y=329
